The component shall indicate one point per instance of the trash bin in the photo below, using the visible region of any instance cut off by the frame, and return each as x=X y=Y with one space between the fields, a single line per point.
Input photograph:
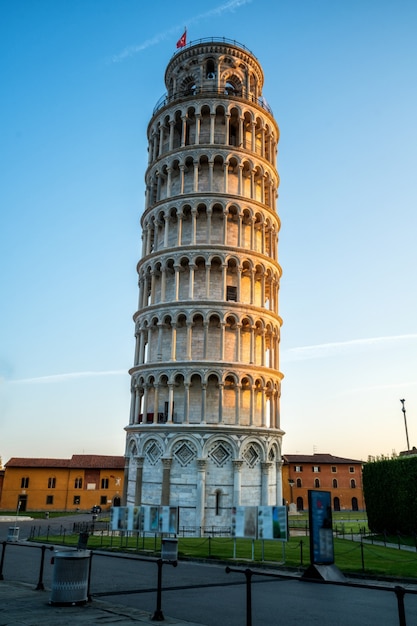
x=82 y=541
x=169 y=551
x=46 y=514
x=70 y=578
x=13 y=534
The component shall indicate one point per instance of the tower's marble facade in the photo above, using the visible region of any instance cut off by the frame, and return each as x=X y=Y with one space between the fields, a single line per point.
x=204 y=431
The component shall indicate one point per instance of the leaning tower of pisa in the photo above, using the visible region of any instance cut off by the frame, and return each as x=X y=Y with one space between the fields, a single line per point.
x=204 y=432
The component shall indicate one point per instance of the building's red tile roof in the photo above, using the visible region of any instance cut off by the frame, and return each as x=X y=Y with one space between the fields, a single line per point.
x=319 y=459
x=97 y=461
x=80 y=461
x=28 y=462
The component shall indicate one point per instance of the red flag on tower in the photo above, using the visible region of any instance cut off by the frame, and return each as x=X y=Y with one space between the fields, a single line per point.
x=182 y=40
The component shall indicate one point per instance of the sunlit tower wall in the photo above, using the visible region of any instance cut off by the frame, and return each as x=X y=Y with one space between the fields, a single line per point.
x=204 y=432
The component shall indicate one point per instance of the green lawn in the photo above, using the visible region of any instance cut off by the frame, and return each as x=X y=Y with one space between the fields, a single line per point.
x=350 y=556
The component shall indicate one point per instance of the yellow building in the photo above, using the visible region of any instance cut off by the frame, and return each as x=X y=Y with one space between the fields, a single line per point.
x=79 y=483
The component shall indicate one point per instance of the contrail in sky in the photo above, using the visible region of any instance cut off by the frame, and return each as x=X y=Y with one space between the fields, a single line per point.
x=215 y=12
x=293 y=354
x=331 y=349
x=59 y=378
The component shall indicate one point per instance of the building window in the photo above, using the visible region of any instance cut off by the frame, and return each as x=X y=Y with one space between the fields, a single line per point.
x=51 y=482
x=298 y=468
x=77 y=500
x=24 y=483
x=104 y=483
x=317 y=483
x=334 y=483
x=49 y=499
x=103 y=499
x=351 y=469
x=231 y=293
x=217 y=506
x=299 y=483
x=316 y=469
x=334 y=469
x=353 y=483
x=78 y=483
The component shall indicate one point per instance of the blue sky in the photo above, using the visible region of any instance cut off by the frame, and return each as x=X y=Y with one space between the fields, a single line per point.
x=80 y=80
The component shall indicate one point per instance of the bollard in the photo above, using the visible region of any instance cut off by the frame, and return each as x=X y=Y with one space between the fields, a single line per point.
x=158 y=616
x=4 y=543
x=400 y=592
x=40 y=586
x=248 y=576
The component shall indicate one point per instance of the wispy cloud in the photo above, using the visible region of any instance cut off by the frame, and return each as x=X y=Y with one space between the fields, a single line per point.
x=339 y=347
x=59 y=378
x=232 y=5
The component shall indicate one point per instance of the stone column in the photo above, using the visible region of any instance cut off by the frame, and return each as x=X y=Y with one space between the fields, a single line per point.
x=203 y=403
x=137 y=403
x=265 y=467
x=279 y=483
x=166 y=480
x=132 y=403
x=173 y=342
x=155 y=403
x=183 y=130
x=159 y=345
x=163 y=283
x=197 y=128
x=170 y=402
x=193 y=225
x=201 y=493
x=237 y=477
x=222 y=330
x=212 y=120
x=189 y=340
x=139 y=476
x=221 y=388
x=211 y=167
x=195 y=178
x=191 y=271
x=145 y=405
x=126 y=482
x=237 y=401
x=186 y=402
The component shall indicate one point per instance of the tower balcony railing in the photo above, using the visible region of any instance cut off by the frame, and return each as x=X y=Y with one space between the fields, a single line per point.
x=211 y=92
x=213 y=40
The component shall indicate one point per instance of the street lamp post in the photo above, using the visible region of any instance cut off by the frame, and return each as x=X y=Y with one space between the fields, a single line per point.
x=405 y=424
x=291 y=484
x=17 y=513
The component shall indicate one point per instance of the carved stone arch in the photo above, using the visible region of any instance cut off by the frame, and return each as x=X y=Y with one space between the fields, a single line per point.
x=233 y=162
x=131 y=448
x=215 y=261
x=189 y=85
x=210 y=68
x=153 y=450
x=184 y=449
x=274 y=452
x=220 y=457
x=246 y=381
x=231 y=320
x=233 y=84
x=253 y=451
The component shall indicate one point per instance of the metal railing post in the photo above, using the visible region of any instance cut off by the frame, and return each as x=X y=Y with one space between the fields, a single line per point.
x=4 y=543
x=158 y=616
x=400 y=592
